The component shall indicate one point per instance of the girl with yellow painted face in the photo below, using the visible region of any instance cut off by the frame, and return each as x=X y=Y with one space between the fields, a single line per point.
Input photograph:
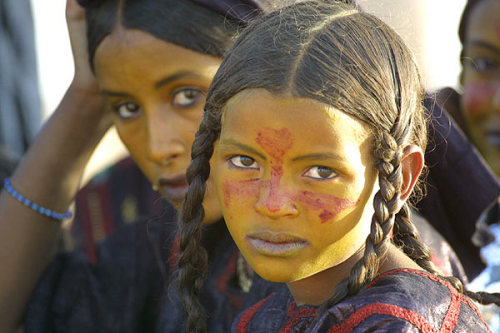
x=314 y=132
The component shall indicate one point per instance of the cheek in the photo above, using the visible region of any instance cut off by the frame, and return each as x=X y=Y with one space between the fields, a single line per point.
x=243 y=191
x=192 y=125
x=134 y=140
x=236 y=192
x=478 y=96
x=329 y=206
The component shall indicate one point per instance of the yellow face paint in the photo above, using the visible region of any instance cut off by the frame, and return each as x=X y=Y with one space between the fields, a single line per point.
x=295 y=182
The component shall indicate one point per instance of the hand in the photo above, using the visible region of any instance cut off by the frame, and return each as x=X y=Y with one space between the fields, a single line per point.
x=84 y=80
x=84 y=88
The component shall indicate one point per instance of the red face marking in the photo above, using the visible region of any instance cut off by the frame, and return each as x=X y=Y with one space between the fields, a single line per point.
x=329 y=205
x=240 y=188
x=478 y=96
x=276 y=143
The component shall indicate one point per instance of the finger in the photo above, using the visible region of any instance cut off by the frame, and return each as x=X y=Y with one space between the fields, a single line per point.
x=74 y=12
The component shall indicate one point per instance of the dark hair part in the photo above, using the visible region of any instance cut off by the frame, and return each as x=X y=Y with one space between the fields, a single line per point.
x=183 y=23
x=333 y=53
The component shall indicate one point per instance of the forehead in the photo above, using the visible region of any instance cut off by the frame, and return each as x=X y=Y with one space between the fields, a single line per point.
x=309 y=121
x=137 y=54
x=484 y=21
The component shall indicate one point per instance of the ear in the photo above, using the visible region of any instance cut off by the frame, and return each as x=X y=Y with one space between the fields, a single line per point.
x=412 y=164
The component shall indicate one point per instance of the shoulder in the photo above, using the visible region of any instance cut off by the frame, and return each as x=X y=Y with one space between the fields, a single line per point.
x=266 y=315
x=107 y=203
x=127 y=277
x=401 y=300
x=407 y=301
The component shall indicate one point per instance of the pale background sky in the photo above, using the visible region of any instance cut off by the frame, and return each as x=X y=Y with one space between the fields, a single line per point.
x=429 y=26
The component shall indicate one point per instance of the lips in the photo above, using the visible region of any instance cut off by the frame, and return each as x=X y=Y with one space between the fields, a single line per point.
x=173 y=188
x=276 y=244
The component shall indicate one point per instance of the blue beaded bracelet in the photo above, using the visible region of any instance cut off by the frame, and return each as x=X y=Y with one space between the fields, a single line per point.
x=36 y=207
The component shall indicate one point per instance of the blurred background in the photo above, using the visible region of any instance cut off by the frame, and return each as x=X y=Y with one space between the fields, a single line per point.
x=429 y=26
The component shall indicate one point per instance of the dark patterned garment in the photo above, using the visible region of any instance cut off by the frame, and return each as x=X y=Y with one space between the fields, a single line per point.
x=401 y=300
x=123 y=291
x=459 y=188
x=117 y=196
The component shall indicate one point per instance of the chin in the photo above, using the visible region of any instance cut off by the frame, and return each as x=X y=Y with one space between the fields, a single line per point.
x=277 y=272
x=274 y=276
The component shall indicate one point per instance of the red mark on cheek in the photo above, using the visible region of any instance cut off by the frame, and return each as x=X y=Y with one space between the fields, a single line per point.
x=329 y=205
x=276 y=143
x=478 y=97
x=240 y=189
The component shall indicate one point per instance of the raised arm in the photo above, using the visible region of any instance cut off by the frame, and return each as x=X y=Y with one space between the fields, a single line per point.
x=49 y=175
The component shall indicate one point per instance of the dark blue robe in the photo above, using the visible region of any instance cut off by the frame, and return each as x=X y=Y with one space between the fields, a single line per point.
x=401 y=300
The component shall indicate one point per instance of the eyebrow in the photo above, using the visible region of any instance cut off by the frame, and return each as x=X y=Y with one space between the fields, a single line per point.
x=319 y=156
x=480 y=43
x=230 y=143
x=110 y=93
x=177 y=76
x=158 y=84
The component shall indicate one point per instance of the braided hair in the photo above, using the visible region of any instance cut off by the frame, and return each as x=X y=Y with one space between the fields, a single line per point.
x=334 y=53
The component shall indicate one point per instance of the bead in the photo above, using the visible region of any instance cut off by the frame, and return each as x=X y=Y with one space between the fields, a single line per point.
x=34 y=206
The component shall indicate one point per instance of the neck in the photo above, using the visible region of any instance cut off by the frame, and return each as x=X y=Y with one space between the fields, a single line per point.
x=318 y=288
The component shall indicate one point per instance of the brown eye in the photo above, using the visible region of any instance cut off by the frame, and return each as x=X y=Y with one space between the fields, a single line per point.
x=186 y=97
x=127 y=110
x=242 y=161
x=320 y=172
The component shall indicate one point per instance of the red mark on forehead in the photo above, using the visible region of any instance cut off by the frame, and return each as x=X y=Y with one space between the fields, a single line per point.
x=329 y=205
x=275 y=142
x=479 y=97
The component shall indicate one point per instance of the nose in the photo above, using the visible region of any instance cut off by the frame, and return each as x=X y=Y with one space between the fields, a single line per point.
x=275 y=200
x=165 y=142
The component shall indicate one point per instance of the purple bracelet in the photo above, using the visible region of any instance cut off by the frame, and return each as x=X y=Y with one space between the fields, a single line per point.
x=36 y=207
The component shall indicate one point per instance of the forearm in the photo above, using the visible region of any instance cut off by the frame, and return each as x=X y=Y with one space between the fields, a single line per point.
x=49 y=175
